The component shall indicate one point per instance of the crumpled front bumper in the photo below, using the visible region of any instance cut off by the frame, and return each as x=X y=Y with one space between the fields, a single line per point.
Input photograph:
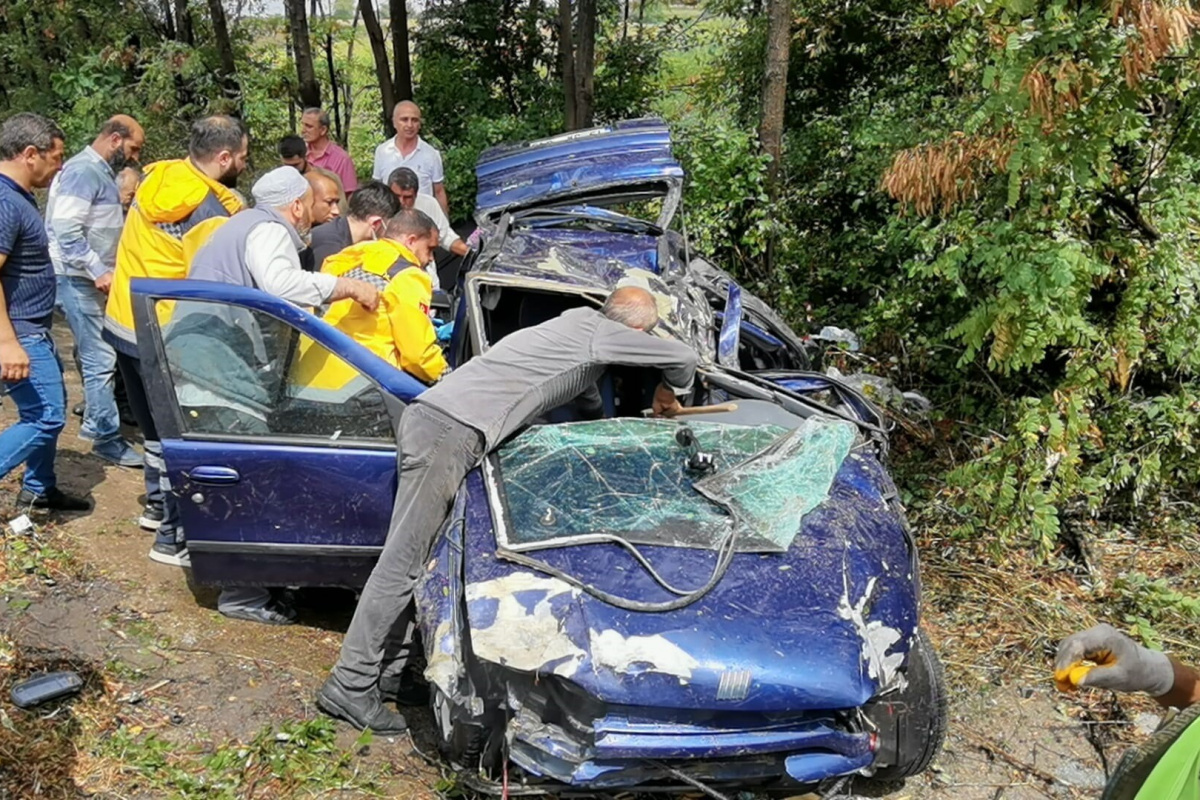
x=633 y=746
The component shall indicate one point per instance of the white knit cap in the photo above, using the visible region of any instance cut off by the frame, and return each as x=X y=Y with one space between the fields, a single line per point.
x=279 y=187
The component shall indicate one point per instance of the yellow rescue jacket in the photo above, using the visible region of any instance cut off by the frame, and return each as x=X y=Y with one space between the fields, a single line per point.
x=399 y=330
x=174 y=199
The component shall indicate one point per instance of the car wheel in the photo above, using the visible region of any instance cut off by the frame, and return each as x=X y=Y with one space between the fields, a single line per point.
x=912 y=722
x=470 y=744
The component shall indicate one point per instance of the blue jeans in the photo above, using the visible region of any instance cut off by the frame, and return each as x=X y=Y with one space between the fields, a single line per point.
x=84 y=305
x=41 y=401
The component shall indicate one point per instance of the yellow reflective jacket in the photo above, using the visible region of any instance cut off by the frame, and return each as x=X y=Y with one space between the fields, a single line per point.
x=399 y=330
x=174 y=198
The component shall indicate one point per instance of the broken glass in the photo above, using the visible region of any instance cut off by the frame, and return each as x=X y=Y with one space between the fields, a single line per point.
x=632 y=478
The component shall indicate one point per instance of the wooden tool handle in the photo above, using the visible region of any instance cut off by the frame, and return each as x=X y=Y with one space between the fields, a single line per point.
x=690 y=410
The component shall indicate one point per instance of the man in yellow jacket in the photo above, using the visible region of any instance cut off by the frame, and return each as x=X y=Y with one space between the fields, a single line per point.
x=175 y=197
x=399 y=329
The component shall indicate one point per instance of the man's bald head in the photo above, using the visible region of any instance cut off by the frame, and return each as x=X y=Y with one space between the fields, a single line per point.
x=120 y=141
x=327 y=195
x=632 y=306
x=406 y=119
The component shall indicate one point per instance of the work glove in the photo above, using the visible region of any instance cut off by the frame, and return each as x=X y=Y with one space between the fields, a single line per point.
x=445 y=331
x=1121 y=663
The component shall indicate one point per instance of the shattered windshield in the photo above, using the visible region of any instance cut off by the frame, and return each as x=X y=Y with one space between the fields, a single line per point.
x=634 y=479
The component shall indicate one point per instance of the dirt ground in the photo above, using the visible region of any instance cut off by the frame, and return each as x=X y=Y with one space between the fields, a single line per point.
x=160 y=659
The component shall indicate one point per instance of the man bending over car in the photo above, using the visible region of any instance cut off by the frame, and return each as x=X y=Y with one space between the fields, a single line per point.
x=443 y=435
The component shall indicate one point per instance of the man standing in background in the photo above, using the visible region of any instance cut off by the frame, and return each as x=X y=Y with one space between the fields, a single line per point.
x=323 y=152
x=293 y=152
x=408 y=149
x=175 y=197
x=83 y=222
x=31 y=151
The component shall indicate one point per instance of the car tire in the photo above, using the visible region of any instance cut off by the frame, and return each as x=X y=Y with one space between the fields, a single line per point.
x=912 y=722
x=470 y=745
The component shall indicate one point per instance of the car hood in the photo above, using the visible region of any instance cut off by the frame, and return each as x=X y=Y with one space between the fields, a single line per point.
x=826 y=624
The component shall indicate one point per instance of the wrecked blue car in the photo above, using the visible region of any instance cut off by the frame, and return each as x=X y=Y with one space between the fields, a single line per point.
x=724 y=599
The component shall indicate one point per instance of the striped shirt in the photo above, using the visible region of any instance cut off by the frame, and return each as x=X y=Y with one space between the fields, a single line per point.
x=84 y=217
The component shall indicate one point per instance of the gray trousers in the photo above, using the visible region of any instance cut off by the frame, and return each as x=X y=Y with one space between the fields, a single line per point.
x=435 y=454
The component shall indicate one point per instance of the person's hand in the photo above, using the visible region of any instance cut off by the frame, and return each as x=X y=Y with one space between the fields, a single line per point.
x=104 y=282
x=14 y=361
x=444 y=330
x=360 y=292
x=666 y=404
x=1121 y=663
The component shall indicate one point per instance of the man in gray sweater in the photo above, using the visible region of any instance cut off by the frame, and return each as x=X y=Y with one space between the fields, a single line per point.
x=444 y=434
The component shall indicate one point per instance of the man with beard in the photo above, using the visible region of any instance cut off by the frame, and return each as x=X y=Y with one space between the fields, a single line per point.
x=83 y=221
x=175 y=197
x=260 y=248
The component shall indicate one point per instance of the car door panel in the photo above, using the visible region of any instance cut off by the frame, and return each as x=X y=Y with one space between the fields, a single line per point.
x=270 y=492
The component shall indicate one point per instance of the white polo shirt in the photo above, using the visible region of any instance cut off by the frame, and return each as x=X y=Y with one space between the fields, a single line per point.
x=446 y=234
x=424 y=160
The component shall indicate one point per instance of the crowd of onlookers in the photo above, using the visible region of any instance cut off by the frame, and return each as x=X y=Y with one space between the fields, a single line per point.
x=363 y=254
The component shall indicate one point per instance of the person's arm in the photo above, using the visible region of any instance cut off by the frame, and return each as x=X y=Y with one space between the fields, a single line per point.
x=615 y=344
x=274 y=264
x=1122 y=665
x=407 y=297
x=377 y=168
x=447 y=236
x=14 y=361
x=439 y=192
x=74 y=197
x=348 y=175
x=437 y=177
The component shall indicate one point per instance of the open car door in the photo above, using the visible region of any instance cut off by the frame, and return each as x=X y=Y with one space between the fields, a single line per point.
x=278 y=432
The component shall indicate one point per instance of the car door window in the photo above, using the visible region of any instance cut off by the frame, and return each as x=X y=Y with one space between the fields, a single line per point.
x=237 y=371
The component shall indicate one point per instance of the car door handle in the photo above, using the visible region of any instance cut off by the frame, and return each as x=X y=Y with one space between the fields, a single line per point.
x=217 y=476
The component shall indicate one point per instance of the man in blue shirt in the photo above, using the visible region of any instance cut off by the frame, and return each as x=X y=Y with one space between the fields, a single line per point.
x=83 y=220
x=31 y=151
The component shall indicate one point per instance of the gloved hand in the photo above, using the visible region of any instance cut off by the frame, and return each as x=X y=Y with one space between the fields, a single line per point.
x=1121 y=663
x=445 y=331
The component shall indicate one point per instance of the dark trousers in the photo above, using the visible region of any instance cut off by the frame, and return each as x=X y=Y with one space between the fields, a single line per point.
x=158 y=484
x=435 y=454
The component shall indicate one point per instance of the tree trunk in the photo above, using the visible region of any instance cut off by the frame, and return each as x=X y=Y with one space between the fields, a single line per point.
x=585 y=62
x=774 y=99
x=228 y=76
x=183 y=24
x=168 y=19
x=379 y=51
x=306 y=74
x=348 y=87
x=566 y=53
x=401 y=63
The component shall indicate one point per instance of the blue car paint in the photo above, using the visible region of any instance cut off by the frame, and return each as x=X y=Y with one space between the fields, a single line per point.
x=763 y=616
x=632 y=152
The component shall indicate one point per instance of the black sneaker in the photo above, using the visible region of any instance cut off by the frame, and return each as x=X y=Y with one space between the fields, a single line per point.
x=53 y=500
x=152 y=517
x=361 y=709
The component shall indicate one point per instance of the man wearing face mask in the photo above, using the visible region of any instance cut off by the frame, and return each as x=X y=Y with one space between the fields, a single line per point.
x=372 y=205
x=84 y=216
x=260 y=248
x=399 y=330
